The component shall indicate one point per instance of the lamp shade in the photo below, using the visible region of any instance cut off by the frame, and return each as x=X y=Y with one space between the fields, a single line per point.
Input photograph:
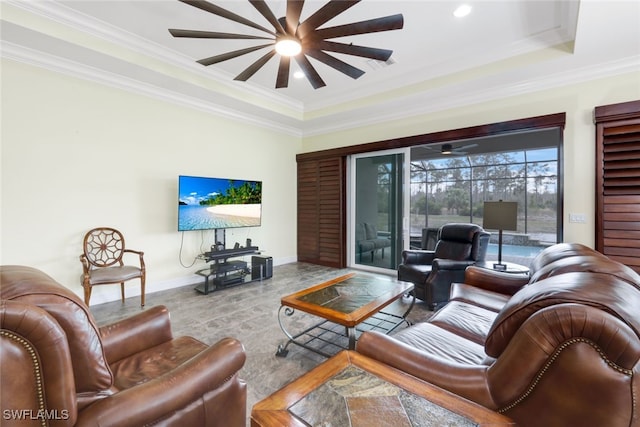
x=500 y=216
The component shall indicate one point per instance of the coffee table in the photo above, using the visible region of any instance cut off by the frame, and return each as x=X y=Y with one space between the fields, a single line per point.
x=347 y=305
x=353 y=390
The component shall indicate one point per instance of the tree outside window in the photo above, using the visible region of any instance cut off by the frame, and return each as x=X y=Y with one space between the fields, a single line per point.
x=454 y=189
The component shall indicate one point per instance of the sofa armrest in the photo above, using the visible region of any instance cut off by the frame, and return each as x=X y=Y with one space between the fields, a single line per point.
x=450 y=264
x=591 y=345
x=495 y=281
x=136 y=333
x=214 y=369
x=418 y=257
x=468 y=381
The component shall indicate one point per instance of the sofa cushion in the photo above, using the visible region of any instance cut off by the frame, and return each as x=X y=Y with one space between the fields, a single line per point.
x=381 y=243
x=466 y=320
x=601 y=290
x=441 y=343
x=593 y=262
x=459 y=232
x=453 y=250
x=370 y=231
x=489 y=300
x=155 y=361
x=366 y=245
x=558 y=252
x=360 y=232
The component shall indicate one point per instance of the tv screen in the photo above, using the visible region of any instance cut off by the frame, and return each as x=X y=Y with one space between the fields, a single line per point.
x=210 y=203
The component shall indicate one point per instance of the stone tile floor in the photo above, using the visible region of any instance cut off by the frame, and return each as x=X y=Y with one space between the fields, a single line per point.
x=249 y=313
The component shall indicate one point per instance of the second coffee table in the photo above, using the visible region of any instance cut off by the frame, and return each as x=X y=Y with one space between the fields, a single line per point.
x=348 y=304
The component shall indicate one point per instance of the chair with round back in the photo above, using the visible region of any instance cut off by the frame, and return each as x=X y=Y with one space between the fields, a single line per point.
x=102 y=262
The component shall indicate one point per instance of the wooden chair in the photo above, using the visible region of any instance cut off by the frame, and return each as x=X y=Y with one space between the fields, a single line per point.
x=102 y=262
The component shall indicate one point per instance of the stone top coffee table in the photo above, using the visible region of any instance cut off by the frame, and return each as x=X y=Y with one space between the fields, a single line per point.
x=351 y=390
x=348 y=305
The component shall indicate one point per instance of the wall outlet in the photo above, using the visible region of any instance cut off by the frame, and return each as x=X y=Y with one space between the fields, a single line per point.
x=578 y=218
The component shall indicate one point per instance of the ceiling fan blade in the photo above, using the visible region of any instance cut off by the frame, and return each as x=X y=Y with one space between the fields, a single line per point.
x=393 y=22
x=264 y=9
x=211 y=35
x=324 y=14
x=224 y=13
x=231 y=55
x=294 y=9
x=350 y=49
x=251 y=69
x=283 y=72
x=311 y=73
x=464 y=147
x=334 y=62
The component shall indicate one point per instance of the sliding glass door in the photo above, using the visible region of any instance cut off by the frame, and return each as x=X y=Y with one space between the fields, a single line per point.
x=376 y=210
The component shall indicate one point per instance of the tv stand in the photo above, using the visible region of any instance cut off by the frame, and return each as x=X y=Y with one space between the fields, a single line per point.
x=224 y=271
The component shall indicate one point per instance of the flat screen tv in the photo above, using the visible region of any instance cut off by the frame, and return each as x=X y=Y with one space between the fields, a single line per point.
x=214 y=203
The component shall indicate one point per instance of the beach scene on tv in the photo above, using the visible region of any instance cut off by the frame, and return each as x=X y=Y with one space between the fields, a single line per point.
x=209 y=203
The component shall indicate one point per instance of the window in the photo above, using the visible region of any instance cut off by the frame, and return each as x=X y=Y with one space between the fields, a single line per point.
x=453 y=187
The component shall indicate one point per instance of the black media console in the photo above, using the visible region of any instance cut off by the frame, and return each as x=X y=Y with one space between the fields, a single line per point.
x=224 y=271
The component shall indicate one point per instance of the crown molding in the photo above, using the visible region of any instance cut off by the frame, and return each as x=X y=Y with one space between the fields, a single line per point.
x=442 y=99
x=420 y=104
x=288 y=115
x=64 y=66
x=83 y=23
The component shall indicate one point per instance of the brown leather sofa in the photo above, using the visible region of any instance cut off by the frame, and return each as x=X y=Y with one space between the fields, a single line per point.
x=59 y=369
x=561 y=348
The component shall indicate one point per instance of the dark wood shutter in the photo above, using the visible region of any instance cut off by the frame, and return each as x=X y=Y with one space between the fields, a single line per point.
x=321 y=221
x=618 y=182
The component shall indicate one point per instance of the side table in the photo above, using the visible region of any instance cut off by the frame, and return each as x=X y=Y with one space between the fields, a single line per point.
x=512 y=268
x=353 y=390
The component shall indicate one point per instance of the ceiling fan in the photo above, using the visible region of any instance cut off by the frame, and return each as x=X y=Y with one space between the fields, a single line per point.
x=304 y=38
x=448 y=149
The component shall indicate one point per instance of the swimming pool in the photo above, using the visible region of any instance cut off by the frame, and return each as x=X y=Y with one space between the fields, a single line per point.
x=515 y=250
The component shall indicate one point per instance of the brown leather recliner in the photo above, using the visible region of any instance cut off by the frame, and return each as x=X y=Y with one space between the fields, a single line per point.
x=459 y=245
x=59 y=369
x=561 y=348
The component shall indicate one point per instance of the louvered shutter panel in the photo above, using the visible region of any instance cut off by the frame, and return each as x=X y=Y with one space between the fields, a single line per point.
x=618 y=182
x=321 y=221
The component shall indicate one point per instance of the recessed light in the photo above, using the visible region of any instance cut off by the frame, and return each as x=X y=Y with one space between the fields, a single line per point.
x=462 y=10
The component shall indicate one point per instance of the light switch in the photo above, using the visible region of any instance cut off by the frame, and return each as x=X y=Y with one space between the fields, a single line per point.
x=578 y=218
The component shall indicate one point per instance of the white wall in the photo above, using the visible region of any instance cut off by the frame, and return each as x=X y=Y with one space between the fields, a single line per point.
x=577 y=101
x=76 y=155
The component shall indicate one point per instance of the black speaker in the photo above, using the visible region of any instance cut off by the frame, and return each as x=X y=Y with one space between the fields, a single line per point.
x=261 y=267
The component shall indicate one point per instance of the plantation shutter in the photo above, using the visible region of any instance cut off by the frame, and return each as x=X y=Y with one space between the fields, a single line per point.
x=618 y=182
x=321 y=222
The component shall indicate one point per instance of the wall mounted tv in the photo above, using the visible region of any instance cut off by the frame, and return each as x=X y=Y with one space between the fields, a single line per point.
x=213 y=203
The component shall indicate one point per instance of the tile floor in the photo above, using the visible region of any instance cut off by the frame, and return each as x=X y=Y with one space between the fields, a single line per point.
x=249 y=313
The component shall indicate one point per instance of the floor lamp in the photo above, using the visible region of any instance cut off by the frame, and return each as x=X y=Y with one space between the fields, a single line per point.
x=500 y=216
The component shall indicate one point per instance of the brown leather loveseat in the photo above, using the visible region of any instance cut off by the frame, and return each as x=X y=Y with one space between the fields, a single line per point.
x=561 y=348
x=57 y=368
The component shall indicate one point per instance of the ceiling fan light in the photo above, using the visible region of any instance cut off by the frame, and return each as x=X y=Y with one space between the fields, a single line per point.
x=288 y=46
x=462 y=11
x=447 y=149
